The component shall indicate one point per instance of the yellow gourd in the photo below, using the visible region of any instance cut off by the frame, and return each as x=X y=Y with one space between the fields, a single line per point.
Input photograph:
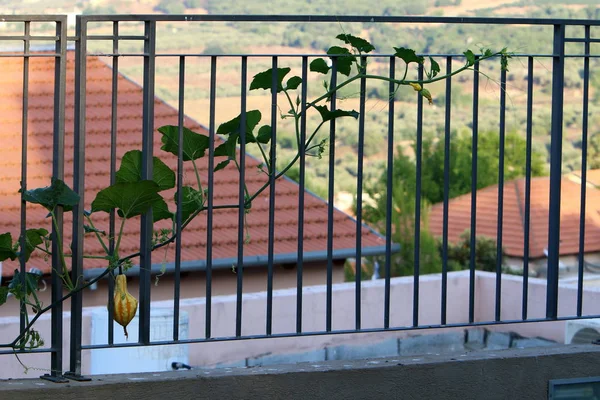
x=125 y=305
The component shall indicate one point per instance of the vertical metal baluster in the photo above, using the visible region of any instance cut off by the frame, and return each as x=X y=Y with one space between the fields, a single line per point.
x=584 y=146
x=417 y=237
x=113 y=169
x=527 y=216
x=447 y=133
x=473 y=237
x=389 y=198
x=500 y=194
x=242 y=200
x=147 y=154
x=300 y=267
x=359 y=195
x=331 y=197
x=79 y=188
x=178 y=216
x=272 y=169
x=211 y=185
x=558 y=75
x=24 y=142
x=58 y=170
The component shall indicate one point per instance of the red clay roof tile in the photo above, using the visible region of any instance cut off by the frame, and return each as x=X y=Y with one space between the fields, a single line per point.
x=129 y=125
x=459 y=216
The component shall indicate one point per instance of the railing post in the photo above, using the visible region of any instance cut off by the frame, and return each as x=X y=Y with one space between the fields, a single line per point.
x=558 y=73
x=147 y=147
x=79 y=188
x=58 y=155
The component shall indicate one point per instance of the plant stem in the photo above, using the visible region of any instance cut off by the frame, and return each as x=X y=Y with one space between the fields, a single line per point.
x=199 y=182
x=97 y=234
x=64 y=273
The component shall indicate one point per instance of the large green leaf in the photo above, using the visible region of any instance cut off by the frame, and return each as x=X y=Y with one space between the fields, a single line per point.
x=227 y=148
x=329 y=115
x=160 y=210
x=57 y=194
x=264 y=80
x=234 y=126
x=408 y=55
x=264 y=134
x=194 y=144
x=34 y=237
x=358 y=43
x=3 y=294
x=222 y=164
x=31 y=284
x=191 y=201
x=131 y=170
x=293 y=82
x=6 y=247
x=344 y=59
x=319 y=65
x=129 y=198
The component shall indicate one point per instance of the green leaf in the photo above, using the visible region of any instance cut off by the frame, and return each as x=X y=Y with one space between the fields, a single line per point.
x=234 y=126
x=57 y=194
x=408 y=55
x=131 y=170
x=228 y=148
x=329 y=115
x=319 y=65
x=6 y=247
x=33 y=237
x=293 y=82
x=435 y=68
x=129 y=199
x=31 y=284
x=3 y=294
x=191 y=201
x=160 y=210
x=344 y=60
x=358 y=43
x=222 y=165
x=194 y=144
x=470 y=57
x=264 y=80
x=264 y=134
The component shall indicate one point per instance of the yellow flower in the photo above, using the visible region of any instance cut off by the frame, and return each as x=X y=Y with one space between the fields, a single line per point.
x=416 y=86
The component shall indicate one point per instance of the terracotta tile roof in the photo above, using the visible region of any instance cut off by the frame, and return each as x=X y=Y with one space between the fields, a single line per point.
x=513 y=218
x=592 y=177
x=39 y=151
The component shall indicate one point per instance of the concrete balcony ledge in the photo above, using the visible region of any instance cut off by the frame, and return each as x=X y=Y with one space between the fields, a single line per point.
x=504 y=374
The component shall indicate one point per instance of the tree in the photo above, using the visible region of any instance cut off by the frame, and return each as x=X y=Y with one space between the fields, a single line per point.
x=403 y=219
x=487 y=163
x=432 y=191
x=459 y=254
x=593 y=156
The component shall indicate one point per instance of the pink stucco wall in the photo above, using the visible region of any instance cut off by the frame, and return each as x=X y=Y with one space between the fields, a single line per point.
x=313 y=318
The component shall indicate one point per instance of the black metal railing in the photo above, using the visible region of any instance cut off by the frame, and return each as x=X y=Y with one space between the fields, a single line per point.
x=149 y=55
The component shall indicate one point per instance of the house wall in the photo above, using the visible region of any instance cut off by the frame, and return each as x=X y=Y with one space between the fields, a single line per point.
x=568 y=265
x=314 y=317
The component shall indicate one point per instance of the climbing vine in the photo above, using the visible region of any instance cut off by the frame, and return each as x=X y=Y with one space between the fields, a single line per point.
x=132 y=196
